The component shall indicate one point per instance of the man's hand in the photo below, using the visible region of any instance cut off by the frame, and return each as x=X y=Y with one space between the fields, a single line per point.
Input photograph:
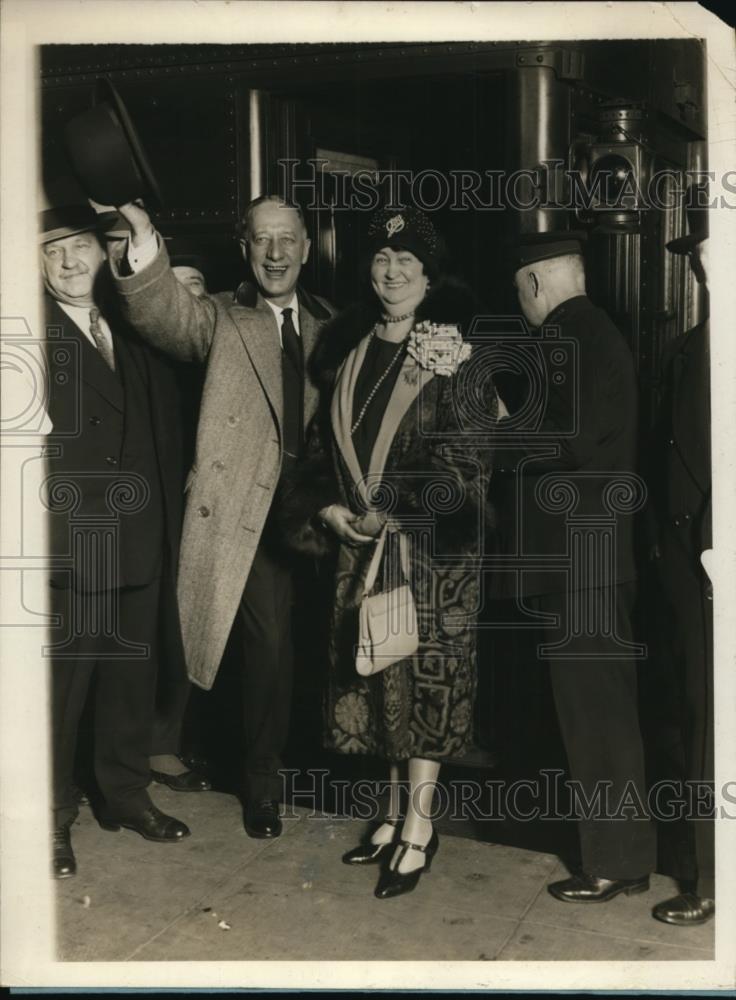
x=341 y=520
x=137 y=217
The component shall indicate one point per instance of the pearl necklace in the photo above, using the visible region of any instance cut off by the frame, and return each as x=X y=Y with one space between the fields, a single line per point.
x=379 y=383
x=396 y=319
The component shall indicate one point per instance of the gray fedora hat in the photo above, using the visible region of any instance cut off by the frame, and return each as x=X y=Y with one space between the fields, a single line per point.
x=67 y=220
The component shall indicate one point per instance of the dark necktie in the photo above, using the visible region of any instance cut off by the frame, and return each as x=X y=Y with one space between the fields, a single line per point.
x=293 y=385
x=292 y=341
x=103 y=344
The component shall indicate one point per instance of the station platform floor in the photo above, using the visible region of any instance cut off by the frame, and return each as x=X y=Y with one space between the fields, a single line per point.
x=220 y=895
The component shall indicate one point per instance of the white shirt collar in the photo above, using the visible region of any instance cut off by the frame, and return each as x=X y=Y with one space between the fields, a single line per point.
x=293 y=304
x=278 y=312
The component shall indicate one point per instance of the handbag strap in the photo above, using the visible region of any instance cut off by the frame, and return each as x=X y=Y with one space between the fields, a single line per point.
x=370 y=576
x=372 y=573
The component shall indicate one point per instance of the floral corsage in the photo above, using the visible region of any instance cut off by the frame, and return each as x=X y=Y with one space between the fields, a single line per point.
x=438 y=348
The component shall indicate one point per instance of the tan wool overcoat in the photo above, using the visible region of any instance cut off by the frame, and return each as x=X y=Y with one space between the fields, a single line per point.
x=238 y=455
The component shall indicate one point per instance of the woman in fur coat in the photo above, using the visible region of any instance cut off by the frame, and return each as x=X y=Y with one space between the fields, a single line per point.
x=405 y=439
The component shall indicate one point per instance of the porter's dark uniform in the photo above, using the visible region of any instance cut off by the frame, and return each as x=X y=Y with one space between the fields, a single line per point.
x=574 y=499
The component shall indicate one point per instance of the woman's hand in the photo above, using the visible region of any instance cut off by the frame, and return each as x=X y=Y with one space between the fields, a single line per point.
x=344 y=524
x=370 y=524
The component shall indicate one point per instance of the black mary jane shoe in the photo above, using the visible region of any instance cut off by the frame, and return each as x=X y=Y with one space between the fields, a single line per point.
x=685 y=910
x=593 y=889
x=63 y=863
x=371 y=854
x=395 y=883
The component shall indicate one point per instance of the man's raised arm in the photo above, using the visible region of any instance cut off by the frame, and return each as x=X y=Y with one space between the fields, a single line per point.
x=152 y=300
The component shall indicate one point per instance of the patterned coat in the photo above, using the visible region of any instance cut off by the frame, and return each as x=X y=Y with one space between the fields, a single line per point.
x=429 y=471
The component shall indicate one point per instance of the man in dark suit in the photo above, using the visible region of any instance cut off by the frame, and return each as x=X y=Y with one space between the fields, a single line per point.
x=172 y=763
x=257 y=400
x=680 y=485
x=113 y=489
x=575 y=493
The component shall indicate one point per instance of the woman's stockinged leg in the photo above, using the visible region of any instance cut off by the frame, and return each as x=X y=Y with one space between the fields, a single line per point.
x=417 y=826
x=386 y=832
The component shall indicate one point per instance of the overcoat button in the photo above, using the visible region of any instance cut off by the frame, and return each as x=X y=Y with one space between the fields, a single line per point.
x=95 y=421
x=232 y=420
x=672 y=441
x=204 y=511
x=677 y=522
x=218 y=465
x=111 y=460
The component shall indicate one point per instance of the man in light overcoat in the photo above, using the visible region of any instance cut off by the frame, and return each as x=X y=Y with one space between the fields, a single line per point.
x=257 y=401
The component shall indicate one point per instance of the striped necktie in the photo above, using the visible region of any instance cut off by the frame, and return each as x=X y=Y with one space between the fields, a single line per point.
x=101 y=341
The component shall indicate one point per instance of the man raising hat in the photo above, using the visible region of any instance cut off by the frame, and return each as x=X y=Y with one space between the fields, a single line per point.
x=257 y=402
x=114 y=493
x=566 y=474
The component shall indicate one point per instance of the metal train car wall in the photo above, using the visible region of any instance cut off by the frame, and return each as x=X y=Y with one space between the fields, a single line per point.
x=224 y=123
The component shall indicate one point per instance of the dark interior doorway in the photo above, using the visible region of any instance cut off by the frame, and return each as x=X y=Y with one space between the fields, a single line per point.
x=428 y=129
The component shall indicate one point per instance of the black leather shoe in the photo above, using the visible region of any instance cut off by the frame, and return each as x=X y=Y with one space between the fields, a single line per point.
x=63 y=864
x=150 y=823
x=80 y=796
x=395 y=883
x=685 y=910
x=188 y=781
x=592 y=889
x=262 y=819
x=371 y=854
x=194 y=761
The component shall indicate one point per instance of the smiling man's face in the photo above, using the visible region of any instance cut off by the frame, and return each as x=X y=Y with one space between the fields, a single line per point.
x=276 y=245
x=70 y=266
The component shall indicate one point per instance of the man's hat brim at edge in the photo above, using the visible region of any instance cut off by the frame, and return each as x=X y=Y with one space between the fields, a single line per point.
x=696 y=205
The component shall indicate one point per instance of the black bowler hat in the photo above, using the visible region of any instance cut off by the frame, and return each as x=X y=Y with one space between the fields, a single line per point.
x=67 y=220
x=697 y=221
x=107 y=154
x=530 y=248
x=408 y=228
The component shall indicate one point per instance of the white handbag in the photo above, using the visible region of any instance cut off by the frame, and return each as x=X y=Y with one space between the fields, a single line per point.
x=388 y=629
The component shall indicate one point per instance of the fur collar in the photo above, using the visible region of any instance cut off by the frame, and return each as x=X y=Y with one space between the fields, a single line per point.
x=450 y=301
